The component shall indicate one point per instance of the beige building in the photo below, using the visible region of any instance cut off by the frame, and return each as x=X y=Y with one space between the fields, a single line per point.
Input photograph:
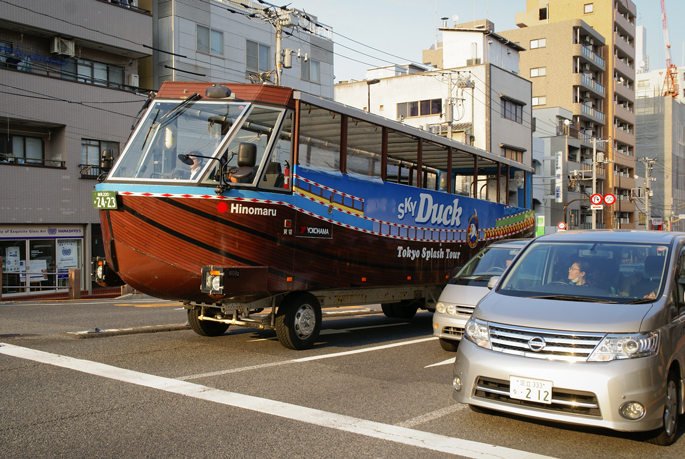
x=581 y=57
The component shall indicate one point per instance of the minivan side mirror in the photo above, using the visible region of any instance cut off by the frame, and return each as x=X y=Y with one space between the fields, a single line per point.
x=493 y=281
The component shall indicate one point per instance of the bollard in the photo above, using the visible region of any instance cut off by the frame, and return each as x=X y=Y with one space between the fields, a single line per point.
x=126 y=290
x=74 y=284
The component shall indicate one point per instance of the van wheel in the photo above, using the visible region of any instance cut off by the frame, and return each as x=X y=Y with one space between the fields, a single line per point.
x=298 y=321
x=666 y=435
x=449 y=345
x=205 y=327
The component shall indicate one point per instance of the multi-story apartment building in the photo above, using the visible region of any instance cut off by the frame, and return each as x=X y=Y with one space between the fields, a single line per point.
x=477 y=98
x=234 y=41
x=601 y=82
x=68 y=73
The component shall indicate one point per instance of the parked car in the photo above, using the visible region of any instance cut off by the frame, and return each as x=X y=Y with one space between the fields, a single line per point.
x=467 y=287
x=607 y=350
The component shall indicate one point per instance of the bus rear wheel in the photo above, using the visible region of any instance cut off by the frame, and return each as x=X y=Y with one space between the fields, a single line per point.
x=205 y=327
x=298 y=321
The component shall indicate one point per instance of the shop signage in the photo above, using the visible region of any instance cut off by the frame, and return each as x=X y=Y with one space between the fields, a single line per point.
x=40 y=232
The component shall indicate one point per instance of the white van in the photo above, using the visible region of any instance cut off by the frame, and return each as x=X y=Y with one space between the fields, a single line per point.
x=462 y=293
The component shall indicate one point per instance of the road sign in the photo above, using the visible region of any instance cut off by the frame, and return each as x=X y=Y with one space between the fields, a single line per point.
x=609 y=199
x=596 y=207
x=596 y=198
x=561 y=226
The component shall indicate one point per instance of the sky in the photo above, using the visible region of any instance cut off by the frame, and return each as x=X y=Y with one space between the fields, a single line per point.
x=400 y=29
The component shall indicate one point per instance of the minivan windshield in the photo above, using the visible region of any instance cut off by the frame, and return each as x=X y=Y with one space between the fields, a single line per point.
x=491 y=261
x=617 y=272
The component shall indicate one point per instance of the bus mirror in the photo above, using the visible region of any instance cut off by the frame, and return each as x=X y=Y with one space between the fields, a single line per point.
x=106 y=160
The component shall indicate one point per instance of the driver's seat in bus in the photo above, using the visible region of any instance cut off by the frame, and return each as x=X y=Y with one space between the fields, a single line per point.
x=247 y=158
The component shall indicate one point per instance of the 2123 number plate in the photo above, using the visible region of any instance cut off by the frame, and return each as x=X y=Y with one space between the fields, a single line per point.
x=533 y=390
x=105 y=199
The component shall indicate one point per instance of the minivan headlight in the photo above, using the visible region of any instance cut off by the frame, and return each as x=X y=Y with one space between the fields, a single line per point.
x=619 y=347
x=446 y=308
x=478 y=333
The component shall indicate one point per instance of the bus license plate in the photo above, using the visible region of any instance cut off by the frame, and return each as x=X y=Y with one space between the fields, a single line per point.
x=104 y=199
x=533 y=390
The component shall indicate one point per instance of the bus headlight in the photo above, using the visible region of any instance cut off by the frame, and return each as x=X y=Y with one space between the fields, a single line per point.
x=212 y=280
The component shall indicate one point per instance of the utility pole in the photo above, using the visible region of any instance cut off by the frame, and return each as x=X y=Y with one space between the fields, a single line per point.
x=595 y=141
x=649 y=163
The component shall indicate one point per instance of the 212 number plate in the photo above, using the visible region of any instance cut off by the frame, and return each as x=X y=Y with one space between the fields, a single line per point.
x=105 y=199
x=533 y=390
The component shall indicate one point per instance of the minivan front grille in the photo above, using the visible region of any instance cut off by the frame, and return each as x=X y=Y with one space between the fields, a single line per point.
x=454 y=331
x=466 y=310
x=563 y=400
x=543 y=344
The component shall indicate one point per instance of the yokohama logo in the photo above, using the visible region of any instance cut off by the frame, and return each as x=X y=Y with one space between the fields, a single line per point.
x=314 y=231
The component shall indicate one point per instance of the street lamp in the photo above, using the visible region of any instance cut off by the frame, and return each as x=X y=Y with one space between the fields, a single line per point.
x=368 y=92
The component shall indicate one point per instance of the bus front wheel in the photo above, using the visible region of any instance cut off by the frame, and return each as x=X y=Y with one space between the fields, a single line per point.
x=298 y=321
x=205 y=327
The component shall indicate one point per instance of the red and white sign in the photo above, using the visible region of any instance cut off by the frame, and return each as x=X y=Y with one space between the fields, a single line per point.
x=609 y=199
x=561 y=226
x=596 y=198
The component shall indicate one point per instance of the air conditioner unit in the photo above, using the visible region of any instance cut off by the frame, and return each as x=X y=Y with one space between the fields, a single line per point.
x=587 y=39
x=586 y=94
x=132 y=80
x=64 y=47
x=591 y=124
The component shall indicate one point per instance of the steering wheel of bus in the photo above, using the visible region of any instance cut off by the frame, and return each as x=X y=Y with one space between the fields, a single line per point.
x=497 y=268
x=156 y=175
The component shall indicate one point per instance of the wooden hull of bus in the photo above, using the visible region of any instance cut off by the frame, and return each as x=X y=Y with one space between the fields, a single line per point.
x=159 y=245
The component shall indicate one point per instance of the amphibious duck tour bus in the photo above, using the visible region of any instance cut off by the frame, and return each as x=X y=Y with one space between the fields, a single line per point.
x=263 y=198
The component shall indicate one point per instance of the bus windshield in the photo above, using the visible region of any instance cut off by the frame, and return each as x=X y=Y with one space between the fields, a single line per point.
x=172 y=128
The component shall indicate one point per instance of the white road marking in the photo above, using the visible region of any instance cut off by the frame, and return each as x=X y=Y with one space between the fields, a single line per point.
x=431 y=416
x=297 y=413
x=444 y=362
x=303 y=359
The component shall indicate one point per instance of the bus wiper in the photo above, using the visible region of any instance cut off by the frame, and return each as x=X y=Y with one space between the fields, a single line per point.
x=150 y=130
x=572 y=298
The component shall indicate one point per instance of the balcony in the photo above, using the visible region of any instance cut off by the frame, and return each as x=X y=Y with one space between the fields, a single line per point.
x=624 y=68
x=623 y=44
x=624 y=91
x=624 y=136
x=625 y=24
x=588 y=113
x=624 y=114
x=123 y=29
x=585 y=82
x=588 y=54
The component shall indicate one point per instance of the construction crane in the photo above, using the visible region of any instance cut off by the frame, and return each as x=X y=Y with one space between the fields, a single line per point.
x=671 y=84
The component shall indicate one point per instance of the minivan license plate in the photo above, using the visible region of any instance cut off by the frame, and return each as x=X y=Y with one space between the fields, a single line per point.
x=533 y=390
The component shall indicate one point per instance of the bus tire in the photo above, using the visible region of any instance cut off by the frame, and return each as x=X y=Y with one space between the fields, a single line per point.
x=405 y=310
x=204 y=327
x=389 y=309
x=298 y=321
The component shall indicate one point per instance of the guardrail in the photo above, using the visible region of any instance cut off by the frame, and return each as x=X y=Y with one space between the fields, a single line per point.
x=72 y=277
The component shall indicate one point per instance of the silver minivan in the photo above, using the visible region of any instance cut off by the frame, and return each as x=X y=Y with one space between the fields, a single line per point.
x=460 y=296
x=584 y=328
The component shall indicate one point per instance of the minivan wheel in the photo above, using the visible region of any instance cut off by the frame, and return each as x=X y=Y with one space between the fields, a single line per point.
x=449 y=345
x=666 y=435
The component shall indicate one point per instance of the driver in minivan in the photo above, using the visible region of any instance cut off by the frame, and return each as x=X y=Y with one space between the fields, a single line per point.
x=576 y=273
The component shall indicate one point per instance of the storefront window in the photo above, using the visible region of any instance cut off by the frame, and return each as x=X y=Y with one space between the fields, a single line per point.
x=40 y=261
